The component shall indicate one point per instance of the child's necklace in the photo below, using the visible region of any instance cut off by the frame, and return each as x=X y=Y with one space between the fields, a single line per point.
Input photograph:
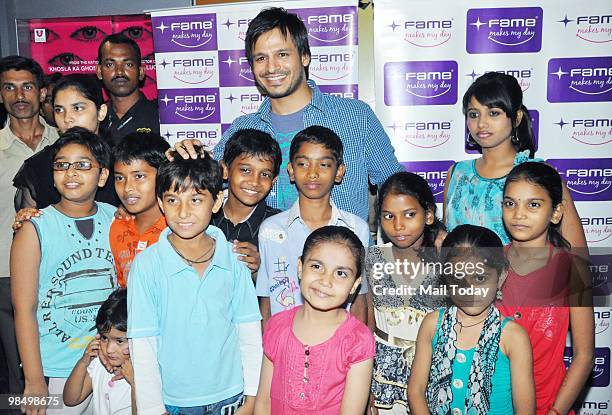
x=190 y=262
x=461 y=326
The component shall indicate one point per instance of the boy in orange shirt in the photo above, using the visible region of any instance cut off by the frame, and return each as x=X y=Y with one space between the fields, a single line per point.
x=136 y=160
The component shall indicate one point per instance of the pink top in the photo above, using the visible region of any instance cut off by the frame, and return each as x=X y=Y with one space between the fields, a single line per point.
x=538 y=303
x=311 y=379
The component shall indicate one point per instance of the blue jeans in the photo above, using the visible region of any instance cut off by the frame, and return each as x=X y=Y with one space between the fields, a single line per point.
x=227 y=406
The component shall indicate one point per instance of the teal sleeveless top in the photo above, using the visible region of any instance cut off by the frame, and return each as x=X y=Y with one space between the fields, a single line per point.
x=76 y=275
x=501 y=383
x=473 y=199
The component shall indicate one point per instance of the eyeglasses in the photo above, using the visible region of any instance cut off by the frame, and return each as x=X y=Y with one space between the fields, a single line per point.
x=78 y=165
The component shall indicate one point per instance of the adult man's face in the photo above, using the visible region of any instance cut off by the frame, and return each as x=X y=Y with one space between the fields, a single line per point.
x=119 y=70
x=19 y=94
x=277 y=65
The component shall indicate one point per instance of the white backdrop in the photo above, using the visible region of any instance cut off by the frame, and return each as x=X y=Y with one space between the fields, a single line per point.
x=427 y=55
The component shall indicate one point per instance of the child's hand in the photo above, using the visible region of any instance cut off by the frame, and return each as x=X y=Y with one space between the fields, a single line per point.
x=127 y=372
x=25 y=215
x=373 y=409
x=122 y=214
x=91 y=352
x=247 y=253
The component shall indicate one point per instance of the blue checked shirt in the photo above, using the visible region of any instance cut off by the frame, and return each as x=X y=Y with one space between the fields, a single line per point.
x=367 y=149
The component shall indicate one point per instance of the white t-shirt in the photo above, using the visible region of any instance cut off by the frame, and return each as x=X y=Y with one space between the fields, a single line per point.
x=109 y=398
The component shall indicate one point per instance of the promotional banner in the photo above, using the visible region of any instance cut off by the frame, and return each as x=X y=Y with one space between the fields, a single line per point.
x=70 y=45
x=426 y=57
x=204 y=79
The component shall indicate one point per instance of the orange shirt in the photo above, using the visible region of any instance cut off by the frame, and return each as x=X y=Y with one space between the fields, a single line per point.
x=125 y=243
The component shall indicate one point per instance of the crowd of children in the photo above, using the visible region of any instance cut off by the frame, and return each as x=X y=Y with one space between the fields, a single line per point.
x=189 y=300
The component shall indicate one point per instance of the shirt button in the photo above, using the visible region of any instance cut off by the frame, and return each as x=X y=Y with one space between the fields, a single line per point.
x=457 y=383
x=518 y=315
x=456 y=411
x=461 y=358
x=302 y=395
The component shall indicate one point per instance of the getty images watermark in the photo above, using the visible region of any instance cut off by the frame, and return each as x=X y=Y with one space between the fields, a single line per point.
x=410 y=270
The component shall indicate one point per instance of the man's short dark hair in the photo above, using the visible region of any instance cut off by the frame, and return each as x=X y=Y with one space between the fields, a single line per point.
x=120 y=39
x=20 y=63
x=79 y=135
x=253 y=143
x=203 y=173
x=318 y=135
x=277 y=18
x=146 y=146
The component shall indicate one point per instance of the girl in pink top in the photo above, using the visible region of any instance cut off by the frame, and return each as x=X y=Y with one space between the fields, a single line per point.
x=547 y=289
x=318 y=358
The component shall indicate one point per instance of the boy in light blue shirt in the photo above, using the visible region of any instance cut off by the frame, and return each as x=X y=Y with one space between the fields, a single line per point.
x=193 y=318
x=315 y=164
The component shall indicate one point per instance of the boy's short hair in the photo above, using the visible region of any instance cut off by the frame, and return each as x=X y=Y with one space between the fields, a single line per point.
x=318 y=135
x=203 y=173
x=147 y=146
x=120 y=39
x=253 y=143
x=21 y=63
x=113 y=312
x=79 y=135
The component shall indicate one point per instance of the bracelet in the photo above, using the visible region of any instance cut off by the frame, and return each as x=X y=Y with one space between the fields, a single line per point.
x=555 y=410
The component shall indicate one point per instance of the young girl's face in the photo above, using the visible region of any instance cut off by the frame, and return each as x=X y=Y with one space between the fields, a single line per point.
x=114 y=346
x=84 y=175
x=328 y=275
x=527 y=211
x=490 y=127
x=73 y=109
x=475 y=284
x=403 y=220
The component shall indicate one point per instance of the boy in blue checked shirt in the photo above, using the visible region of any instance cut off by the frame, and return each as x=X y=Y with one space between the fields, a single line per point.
x=315 y=165
x=193 y=320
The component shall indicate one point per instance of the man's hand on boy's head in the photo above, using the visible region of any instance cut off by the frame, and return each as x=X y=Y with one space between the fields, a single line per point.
x=186 y=149
x=25 y=215
x=247 y=253
x=92 y=350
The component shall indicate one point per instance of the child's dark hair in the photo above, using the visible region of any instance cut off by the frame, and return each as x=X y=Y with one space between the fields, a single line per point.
x=277 y=18
x=318 y=135
x=120 y=39
x=467 y=241
x=545 y=176
x=203 y=173
x=113 y=312
x=79 y=135
x=87 y=85
x=253 y=143
x=147 y=146
x=340 y=235
x=411 y=184
x=498 y=90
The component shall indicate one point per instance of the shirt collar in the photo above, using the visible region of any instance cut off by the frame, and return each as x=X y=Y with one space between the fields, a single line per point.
x=173 y=264
x=7 y=137
x=111 y=111
x=317 y=101
x=338 y=217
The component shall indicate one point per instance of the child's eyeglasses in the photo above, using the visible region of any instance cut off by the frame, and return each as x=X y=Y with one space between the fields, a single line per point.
x=78 y=165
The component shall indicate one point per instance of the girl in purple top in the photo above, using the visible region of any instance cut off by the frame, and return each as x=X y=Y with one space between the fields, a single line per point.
x=318 y=358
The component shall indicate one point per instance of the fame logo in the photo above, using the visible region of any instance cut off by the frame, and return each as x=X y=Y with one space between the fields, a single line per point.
x=421 y=133
x=330 y=26
x=580 y=79
x=341 y=91
x=432 y=171
x=599 y=267
x=590 y=28
x=190 y=71
x=235 y=69
x=332 y=66
x=420 y=83
x=248 y=102
x=423 y=33
x=589 y=131
x=185 y=33
x=587 y=179
x=189 y=106
x=504 y=30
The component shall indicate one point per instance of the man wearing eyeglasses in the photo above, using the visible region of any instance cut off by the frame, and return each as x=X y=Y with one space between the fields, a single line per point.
x=25 y=133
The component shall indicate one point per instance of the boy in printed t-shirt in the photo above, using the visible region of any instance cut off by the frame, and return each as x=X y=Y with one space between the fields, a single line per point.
x=251 y=162
x=193 y=320
x=136 y=160
x=315 y=164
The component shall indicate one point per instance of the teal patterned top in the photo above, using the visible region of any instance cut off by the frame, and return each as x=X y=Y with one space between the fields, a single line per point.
x=473 y=199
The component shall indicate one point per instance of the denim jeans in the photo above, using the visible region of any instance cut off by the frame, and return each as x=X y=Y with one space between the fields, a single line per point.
x=227 y=406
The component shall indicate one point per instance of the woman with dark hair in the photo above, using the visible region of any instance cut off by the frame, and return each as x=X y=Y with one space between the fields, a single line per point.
x=500 y=126
x=77 y=102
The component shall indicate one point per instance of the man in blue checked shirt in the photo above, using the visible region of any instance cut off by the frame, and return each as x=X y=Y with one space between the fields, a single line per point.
x=277 y=49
